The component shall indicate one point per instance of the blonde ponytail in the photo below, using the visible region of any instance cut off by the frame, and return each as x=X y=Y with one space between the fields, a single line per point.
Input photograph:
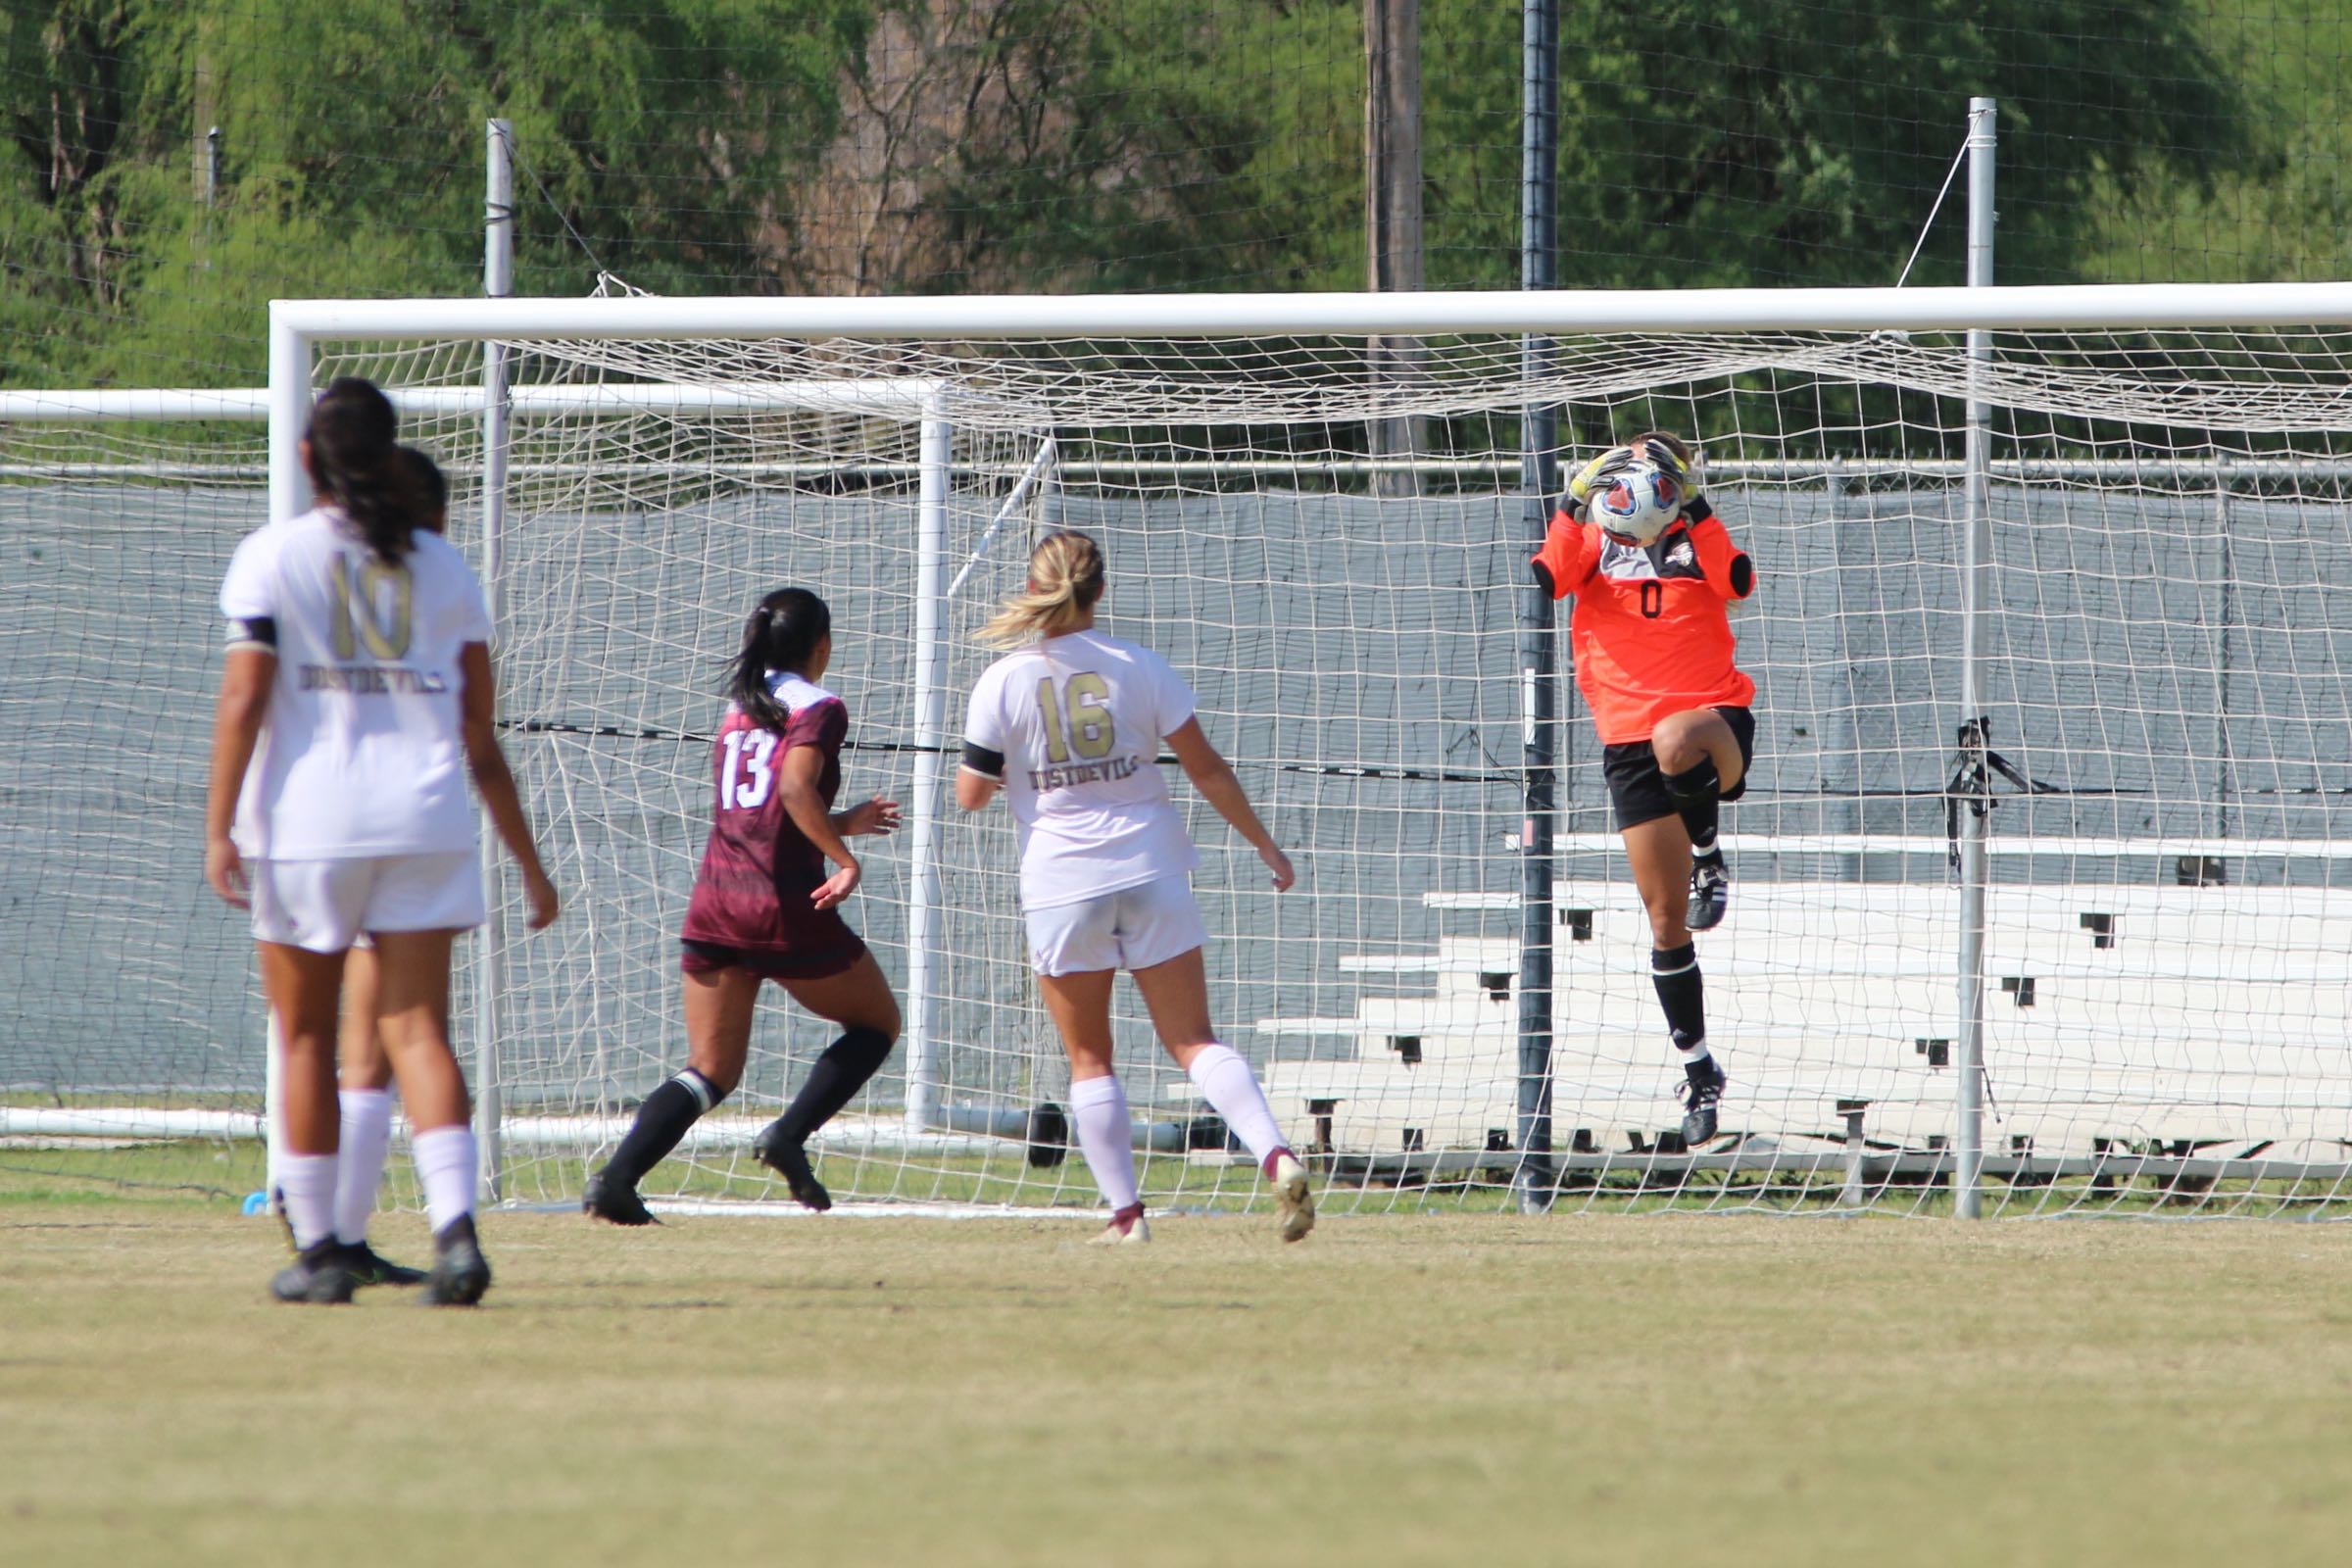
x=1065 y=579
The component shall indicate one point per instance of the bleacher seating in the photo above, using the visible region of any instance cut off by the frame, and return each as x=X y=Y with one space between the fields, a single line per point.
x=2194 y=1016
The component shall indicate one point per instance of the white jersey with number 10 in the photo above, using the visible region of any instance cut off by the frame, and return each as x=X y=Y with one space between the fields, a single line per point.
x=363 y=753
x=1079 y=721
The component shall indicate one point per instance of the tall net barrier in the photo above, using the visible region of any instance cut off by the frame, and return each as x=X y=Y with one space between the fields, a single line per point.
x=121 y=985
x=2162 y=769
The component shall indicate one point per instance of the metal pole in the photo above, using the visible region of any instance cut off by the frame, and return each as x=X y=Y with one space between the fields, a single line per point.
x=1842 y=734
x=289 y=497
x=497 y=281
x=2222 y=759
x=1538 y=698
x=1392 y=222
x=930 y=735
x=1976 y=601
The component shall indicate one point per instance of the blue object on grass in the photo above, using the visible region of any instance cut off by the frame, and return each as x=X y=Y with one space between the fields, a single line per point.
x=257 y=1203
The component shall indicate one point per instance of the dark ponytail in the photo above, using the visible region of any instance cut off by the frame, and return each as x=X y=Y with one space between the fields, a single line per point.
x=430 y=487
x=782 y=634
x=354 y=462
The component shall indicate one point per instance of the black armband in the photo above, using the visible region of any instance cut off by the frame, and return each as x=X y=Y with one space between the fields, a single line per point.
x=988 y=765
x=1543 y=577
x=1696 y=511
x=1743 y=575
x=254 y=631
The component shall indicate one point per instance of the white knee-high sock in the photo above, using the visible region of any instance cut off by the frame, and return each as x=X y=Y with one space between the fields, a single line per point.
x=445 y=1165
x=306 y=1187
x=367 y=1145
x=1231 y=1088
x=1105 y=1137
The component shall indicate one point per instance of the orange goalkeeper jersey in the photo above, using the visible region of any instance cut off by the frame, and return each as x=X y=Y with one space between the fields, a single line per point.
x=1650 y=633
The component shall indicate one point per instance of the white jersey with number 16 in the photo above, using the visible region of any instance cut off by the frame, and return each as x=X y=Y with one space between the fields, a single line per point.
x=1079 y=721
x=363 y=752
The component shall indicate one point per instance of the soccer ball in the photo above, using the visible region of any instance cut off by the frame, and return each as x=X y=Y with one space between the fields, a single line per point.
x=1637 y=504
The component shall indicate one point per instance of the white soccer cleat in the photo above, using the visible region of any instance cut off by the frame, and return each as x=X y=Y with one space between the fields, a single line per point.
x=1294 y=1199
x=1126 y=1229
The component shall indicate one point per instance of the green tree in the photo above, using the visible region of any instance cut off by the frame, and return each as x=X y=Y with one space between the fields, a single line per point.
x=1114 y=145
x=2282 y=213
x=708 y=145
x=1165 y=143
x=80 y=198
x=1741 y=142
x=670 y=129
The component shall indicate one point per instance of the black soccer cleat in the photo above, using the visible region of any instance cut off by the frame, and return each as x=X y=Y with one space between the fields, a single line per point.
x=1710 y=894
x=368 y=1266
x=787 y=1159
x=1703 y=1092
x=460 y=1273
x=609 y=1198
x=321 y=1275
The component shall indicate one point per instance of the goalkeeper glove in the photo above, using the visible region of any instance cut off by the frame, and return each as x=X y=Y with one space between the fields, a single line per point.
x=1595 y=475
x=1668 y=462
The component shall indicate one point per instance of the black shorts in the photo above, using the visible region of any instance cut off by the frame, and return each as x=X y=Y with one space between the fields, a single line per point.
x=1637 y=790
x=808 y=962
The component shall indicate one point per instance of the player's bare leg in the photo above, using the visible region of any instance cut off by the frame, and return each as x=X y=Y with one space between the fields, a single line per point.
x=1177 y=994
x=861 y=1001
x=1698 y=758
x=366 y=1098
x=719 y=1003
x=1080 y=1008
x=1659 y=854
x=305 y=990
x=412 y=1019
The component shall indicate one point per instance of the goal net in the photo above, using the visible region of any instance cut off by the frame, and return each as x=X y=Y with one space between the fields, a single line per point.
x=2159 y=645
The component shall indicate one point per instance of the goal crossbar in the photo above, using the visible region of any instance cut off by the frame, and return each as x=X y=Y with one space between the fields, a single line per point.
x=1437 y=311
x=900 y=395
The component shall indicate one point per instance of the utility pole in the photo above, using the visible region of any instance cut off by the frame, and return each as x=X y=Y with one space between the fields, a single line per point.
x=207 y=147
x=1393 y=218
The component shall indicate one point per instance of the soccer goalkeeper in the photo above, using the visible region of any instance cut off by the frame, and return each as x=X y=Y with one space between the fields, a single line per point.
x=1653 y=570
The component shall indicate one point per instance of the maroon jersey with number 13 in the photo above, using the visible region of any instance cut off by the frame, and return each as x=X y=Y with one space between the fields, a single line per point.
x=758 y=869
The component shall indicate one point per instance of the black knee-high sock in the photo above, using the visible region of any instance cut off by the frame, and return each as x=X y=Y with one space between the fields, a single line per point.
x=1675 y=972
x=1697 y=795
x=677 y=1105
x=833 y=1081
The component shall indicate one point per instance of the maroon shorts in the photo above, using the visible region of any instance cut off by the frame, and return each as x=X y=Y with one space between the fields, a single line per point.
x=773 y=963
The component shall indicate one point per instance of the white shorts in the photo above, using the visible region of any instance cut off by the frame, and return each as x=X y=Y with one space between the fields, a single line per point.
x=326 y=905
x=1133 y=928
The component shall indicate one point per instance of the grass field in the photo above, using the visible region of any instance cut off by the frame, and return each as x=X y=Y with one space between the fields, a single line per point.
x=1460 y=1389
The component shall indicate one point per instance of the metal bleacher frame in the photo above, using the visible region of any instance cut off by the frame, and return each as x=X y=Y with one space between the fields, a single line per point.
x=2119 y=1046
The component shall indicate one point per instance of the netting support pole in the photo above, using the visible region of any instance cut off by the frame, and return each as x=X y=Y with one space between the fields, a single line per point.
x=497 y=281
x=1976 y=601
x=930 y=771
x=2221 y=755
x=1539 y=699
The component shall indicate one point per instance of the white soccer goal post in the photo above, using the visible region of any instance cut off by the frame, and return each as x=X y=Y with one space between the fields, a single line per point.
x=2108 y=532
